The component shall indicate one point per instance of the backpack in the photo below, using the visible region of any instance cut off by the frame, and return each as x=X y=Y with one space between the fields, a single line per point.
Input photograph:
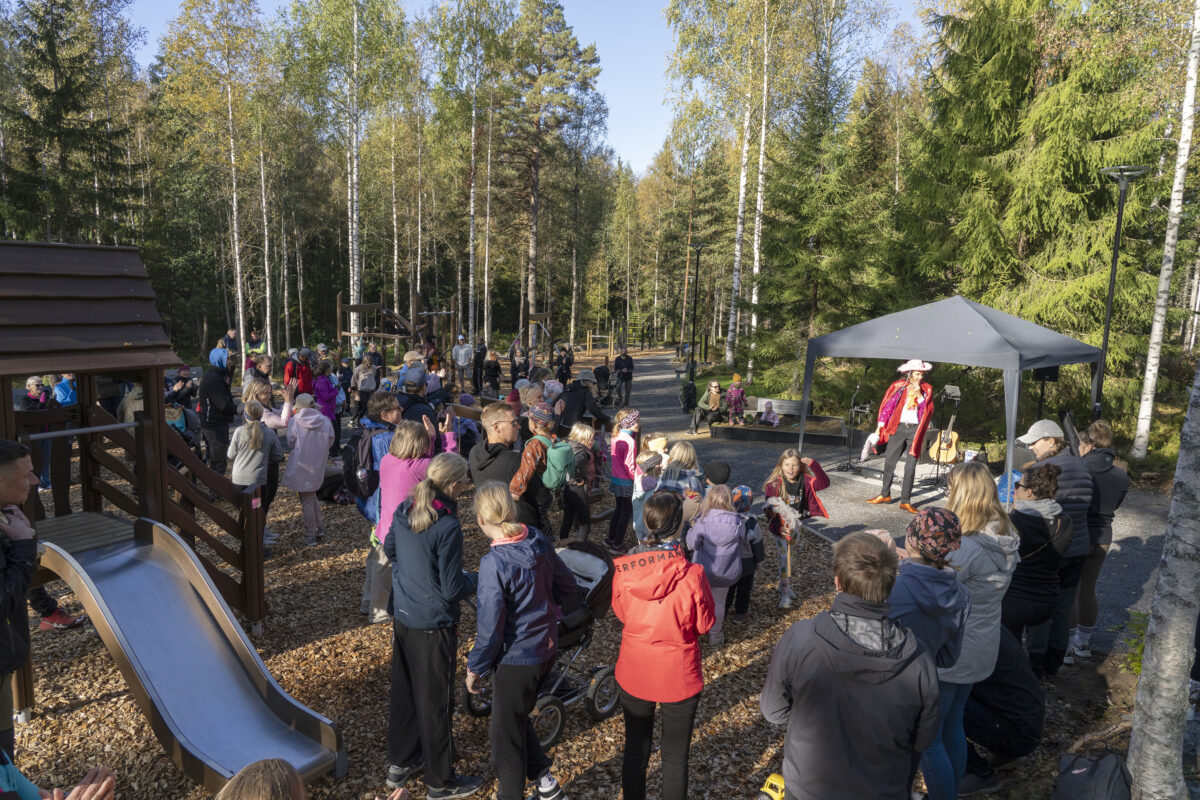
x=1081 y=778
x=687 y=397
x=360 y=473
x=560 y=463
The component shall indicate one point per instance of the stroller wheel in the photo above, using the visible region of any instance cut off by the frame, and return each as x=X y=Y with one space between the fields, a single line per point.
x=476 y=705
x=602 y=698
x=549 y=717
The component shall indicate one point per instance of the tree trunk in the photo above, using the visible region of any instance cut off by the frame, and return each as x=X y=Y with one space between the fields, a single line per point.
x=236 y=242
x=283 y=269
x=487 y=238
x=758 y=203
x=1141 y=439
x=269 y=318
x=471 y=224
x=531 y=277
x=1194 y=305
x=420 y=223
x=739 y=234
x=395 y=225
x=356 y=276
x=1160 y=711
x=300 y=282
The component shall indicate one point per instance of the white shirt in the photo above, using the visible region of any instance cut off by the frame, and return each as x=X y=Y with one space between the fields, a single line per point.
x=462 y=355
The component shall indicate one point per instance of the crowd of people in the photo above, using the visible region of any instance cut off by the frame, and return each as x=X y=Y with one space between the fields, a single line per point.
x=931 y=650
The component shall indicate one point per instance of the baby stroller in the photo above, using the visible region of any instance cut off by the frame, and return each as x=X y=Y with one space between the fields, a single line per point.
x=569 y=681
x=610 y=395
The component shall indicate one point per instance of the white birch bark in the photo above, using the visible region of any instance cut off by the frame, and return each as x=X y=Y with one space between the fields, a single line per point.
x=1160 y=711
x=300 y=282
x=487 y=239
x=269 y=320
x=283 y=269
x=758 y=203
x=236 y=243
x=738 y=236
x=395 y=224
x=1141 y=438
x=355 y=256
x=470 y=327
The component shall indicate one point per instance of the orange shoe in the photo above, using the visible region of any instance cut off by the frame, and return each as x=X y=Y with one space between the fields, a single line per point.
x=908 y=507
x=879 y=498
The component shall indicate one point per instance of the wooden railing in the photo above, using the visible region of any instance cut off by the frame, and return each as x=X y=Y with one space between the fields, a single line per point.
x=192 y=487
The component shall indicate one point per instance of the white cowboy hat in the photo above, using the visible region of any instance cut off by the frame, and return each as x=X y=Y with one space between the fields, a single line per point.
x=914 y=365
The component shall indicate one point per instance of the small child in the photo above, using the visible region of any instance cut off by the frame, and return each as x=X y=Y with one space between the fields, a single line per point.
x=626 y=429
x=737 y=603
x=927 y=597
x=577 y=512
x=523 y=589
x=652 y=457
x=735 y=396
x=310 y=433
x=528 y=480
x=251 y=450
x=715 y=539
x=768 y=416
x=791 y=492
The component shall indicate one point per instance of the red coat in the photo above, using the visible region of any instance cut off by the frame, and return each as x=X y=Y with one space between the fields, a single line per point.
x=665 y=604
x=892 y=407
x=813 y=483
x=300 y=372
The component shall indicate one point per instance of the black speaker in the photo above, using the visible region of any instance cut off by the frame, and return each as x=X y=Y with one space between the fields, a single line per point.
x=1046 y=374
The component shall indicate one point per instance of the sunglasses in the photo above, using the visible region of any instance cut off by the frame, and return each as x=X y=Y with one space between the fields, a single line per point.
x=1019 y=485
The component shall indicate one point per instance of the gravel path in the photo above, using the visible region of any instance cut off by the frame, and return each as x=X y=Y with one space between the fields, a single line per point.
x=1127 y=582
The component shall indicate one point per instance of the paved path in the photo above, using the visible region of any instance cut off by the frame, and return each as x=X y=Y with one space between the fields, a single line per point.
x=1138 y=532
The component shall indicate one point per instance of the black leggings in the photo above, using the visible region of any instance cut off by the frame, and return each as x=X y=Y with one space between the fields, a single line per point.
x=516 y=753
x=364 y=397
x=576 y=512
x=738 y=599
x=621 y=517
x=678 y=719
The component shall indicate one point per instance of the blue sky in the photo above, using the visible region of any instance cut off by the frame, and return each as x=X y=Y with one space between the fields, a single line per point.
x=631 y=37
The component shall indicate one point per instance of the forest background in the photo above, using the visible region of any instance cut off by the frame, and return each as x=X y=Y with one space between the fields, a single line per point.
x=835 y=166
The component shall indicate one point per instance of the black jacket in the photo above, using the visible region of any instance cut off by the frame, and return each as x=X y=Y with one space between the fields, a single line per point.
x=1109 y=485
x=1075 y=497
x=216 y=399
x=185 y=397
x=17 y=560
x=1042 y=544
x=857 y=715
x=578 y=399
x=481 y=354
x=491 y=372
x=624 y=362
x=497 y=462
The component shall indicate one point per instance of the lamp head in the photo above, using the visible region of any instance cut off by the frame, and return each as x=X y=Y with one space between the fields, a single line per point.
x=1125 y=174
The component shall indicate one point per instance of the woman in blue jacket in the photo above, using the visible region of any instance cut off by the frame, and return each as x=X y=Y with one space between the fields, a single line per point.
x=522 y=586
x=428 y=584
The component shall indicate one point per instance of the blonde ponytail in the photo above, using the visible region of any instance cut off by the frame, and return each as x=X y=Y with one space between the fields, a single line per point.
x=254 y=413
x=444 y=470
x=494 y=505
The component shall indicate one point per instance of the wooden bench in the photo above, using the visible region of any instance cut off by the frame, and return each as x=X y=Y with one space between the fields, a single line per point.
x=793 y=408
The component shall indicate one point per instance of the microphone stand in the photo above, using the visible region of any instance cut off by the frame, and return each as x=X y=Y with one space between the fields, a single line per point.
x=846 y=467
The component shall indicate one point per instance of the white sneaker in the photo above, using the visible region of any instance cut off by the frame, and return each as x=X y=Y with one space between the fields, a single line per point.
x=716 y=639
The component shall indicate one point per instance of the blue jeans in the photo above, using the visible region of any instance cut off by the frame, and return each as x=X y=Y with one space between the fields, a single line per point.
x=944 y=762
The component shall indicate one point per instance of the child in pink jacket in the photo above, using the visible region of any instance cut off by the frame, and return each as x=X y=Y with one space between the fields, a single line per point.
x=310 y=433
x=624 y=471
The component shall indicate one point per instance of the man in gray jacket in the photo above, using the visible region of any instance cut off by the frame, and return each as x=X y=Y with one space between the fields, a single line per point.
x=857 y=691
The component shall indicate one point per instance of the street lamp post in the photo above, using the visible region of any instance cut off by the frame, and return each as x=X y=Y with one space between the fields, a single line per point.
x=1123 y=175
x=698 y=246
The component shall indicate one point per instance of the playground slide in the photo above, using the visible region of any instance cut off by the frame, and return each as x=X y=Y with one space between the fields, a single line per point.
x=199 y=681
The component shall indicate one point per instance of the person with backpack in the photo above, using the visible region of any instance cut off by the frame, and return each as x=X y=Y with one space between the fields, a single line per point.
x=405 y=465
x=364 y=383
x=715 y=540
x=546 y=465
x=309 y=434
x=577 y=512
x=524 y=588
x=299 y=369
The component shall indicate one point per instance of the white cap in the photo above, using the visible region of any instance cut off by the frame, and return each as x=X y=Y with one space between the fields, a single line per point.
x=914 y=365
x=1042 y=429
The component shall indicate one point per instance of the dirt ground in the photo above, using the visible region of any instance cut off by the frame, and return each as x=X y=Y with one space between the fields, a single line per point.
x=322 y=651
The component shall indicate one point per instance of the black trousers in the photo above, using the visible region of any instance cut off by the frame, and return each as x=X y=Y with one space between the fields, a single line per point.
x=422 y=701
x=1057 y=633
x=360 y=410
x=622 y=516
x=623 y=388
x=576 y=512
x=216 y=441
x=677 y=721
x=516 y=753
x=269 y=489
x=897 y=446
x=42 y=603
x=476 y=379
x=1019 y=613
x=706 y=415
x=335 y=449
x=738 y=599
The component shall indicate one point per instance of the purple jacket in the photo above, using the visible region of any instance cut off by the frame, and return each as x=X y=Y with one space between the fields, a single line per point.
x=715 y=540
x=325 y=392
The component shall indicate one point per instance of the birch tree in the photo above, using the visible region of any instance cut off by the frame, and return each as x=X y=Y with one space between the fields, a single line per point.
x=1141 y=438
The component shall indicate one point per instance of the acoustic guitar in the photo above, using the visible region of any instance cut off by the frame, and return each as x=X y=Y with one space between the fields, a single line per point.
x=945 y=447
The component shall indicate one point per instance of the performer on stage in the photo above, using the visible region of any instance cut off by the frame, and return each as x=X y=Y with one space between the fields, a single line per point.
x=904 y=417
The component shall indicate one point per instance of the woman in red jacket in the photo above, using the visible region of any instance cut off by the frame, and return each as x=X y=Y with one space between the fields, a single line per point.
x=665 y=604
x=904 y=416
